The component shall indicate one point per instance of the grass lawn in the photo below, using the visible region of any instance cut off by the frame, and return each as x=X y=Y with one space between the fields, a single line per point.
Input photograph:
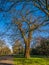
x=31 y=61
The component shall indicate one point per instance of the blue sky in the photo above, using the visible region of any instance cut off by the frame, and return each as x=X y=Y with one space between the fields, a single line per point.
x=6 y=18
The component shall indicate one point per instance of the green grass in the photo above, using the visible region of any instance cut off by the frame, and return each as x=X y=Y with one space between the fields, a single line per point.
x=31 y=61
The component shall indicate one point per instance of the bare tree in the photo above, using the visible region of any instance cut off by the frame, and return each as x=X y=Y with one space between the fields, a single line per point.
x=31 y=27
x=43 y=5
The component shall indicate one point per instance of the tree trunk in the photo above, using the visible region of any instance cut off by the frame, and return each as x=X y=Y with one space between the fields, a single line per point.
x=27 y=45
x=27 y=50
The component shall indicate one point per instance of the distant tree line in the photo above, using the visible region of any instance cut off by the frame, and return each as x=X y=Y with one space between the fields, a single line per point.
x=42 y=48
x=18 y=48
x=4 y=49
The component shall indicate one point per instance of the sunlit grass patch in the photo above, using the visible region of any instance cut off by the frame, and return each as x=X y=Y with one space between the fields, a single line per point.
x=31 y=61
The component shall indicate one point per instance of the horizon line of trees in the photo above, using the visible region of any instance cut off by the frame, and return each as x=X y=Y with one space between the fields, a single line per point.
x=41 y=47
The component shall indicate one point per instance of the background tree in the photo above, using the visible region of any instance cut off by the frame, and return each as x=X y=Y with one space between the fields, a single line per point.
x=42 y=47
x=4 y=50
x=2 y=44
x=18 y=48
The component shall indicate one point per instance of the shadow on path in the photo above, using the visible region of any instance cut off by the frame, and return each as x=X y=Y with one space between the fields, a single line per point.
x=5 y=64
x=6 y=60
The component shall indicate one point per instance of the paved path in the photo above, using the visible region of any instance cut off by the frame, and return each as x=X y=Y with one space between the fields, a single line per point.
x=6 y=60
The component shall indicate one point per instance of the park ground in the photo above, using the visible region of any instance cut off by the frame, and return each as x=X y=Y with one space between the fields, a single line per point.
x=35 y=60
x=17 y=60
x=6 y=60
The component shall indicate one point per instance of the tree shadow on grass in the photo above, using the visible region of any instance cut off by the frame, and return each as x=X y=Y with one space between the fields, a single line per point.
x=5 y=64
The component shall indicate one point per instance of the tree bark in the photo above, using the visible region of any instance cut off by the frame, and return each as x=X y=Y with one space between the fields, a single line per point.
x=27 y=50
x=27 y=45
